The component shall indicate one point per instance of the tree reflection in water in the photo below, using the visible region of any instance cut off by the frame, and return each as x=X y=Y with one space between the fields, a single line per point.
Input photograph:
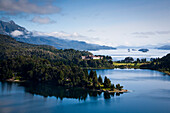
x=63 y=92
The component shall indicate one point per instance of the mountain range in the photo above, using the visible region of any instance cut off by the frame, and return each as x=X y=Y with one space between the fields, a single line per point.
x=10 y=48
x=23 y=35
x=164 y=47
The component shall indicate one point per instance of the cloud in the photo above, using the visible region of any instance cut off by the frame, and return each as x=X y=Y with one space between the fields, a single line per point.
x=141 y=36
x=69 y=36
x=17 y=33
x=25 y=6
x=151 y=33
x=42 y=20
x=5 y=18
x=143 y=33
x=163 y=32
x=90 y=30
x=56 y=34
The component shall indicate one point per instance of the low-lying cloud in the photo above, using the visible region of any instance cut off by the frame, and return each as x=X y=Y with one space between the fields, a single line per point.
x=17 y=33
x=56 y=34
x=69 y=36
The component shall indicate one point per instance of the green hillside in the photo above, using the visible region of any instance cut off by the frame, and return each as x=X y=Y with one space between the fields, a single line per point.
x=24 y=61
x=10 y=48
x=161 y=64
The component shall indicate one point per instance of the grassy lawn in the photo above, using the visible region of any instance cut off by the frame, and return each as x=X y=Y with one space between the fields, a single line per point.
x=130 y=65
x=106 y=89
x=125 y=64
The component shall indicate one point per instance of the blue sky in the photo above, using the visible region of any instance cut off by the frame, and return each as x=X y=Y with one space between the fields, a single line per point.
x=106 y=22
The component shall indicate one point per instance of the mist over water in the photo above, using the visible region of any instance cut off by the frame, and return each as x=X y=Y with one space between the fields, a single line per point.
x=120 y=54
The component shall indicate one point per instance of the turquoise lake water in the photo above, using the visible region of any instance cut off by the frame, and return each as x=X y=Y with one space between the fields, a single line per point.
x=149 y=93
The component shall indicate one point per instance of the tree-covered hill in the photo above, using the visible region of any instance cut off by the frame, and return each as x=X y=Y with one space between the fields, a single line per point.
x=10 y=48
x=161 y=64
x=24 y=61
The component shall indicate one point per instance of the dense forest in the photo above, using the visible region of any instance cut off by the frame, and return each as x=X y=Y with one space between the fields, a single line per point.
x=160 y=64
x=41 y=63
x=10 y=48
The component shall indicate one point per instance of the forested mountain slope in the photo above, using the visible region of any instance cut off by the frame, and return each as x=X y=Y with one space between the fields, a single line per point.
x=24 y=61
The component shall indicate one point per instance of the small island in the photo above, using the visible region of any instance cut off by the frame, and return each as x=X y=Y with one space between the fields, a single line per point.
x=144 y=50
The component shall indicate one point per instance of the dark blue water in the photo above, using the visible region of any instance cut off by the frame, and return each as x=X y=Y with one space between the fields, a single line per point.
x=149 y=93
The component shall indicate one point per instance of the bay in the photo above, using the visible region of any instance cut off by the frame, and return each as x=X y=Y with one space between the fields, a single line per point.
x=149 y=93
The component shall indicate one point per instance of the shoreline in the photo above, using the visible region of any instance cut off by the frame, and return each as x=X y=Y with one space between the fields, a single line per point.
x=97 y=68
x=110 y=92
x=95 y=90
x=165 y=72
x=86 y=88
x=15 y=81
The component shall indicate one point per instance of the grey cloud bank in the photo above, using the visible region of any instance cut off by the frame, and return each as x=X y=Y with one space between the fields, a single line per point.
x=42 y=20
x=24 y=6
x=151 y=33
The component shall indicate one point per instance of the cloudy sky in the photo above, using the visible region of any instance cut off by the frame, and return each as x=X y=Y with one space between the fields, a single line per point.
x=106 y=22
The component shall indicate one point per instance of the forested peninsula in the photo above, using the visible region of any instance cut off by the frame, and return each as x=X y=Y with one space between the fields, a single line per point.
x=159 y=64
x=45 y=64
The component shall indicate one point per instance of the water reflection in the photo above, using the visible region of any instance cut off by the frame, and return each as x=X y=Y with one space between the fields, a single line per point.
x=7 y=86
x=47 y=90
x=150 y=89
x=63 y=92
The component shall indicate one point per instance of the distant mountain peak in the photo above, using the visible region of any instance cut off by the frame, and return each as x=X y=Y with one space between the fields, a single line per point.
x=11 y=22
x=7 y=28
x=23 y=35
x=164 y=47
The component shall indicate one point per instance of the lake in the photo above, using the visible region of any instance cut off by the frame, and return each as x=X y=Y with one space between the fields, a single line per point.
x=120 y=54
x=149 y=93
